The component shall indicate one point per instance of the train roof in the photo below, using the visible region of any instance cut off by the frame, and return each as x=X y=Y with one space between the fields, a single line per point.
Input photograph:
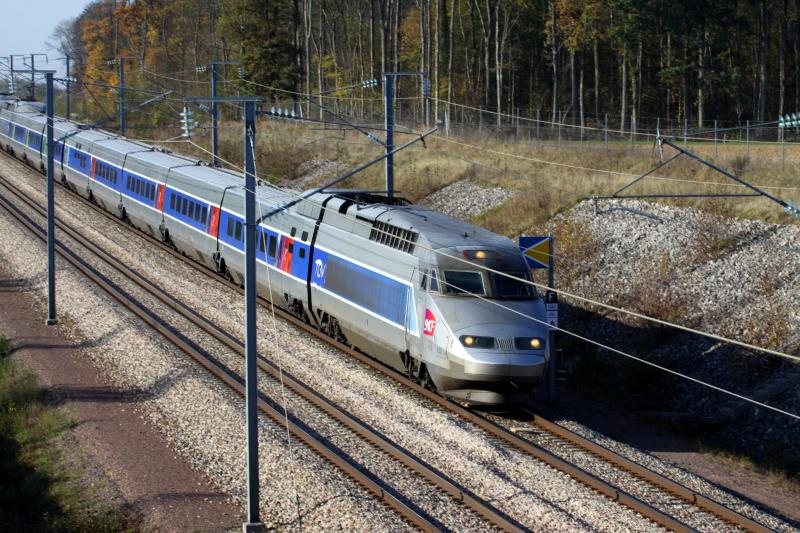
x=434 y=229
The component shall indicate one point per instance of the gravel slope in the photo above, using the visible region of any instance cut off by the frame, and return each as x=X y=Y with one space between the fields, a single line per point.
x=465 y=199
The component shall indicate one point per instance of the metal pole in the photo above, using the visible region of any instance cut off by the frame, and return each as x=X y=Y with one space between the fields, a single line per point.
x=747 y=141
x=33 y=81
x=388 y=104
x=783 y=149
x=13 y=89
x=605 y=130
x=214 y=131
x=68 y=107
x=253 y=520
x=51 y=241
x=122 y=96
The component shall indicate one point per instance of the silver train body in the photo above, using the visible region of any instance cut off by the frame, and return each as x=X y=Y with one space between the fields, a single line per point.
x=401 y=282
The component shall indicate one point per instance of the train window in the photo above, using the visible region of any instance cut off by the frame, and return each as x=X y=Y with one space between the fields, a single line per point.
x=229 y=229
x=184 y=206
x=434 y=282
x=198 y=213
x=152 y=192
x=190 y=213
x=238 y=231
x=304 y=237
x=302 y=253
x=273 y=245
x=128 y=184
x=172 y=202
x=290 y=248
x=204 y=216
x=467 y=282
x=262 y=242
x=423 y=280
x=293 y=232
x=512 y=289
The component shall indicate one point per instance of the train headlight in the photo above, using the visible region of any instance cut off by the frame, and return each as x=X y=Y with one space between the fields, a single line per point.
x=529 y=343
x=480 y=254
x=471 y=341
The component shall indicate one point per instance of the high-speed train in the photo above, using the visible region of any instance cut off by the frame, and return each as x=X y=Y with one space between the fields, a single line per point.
x=403 y=283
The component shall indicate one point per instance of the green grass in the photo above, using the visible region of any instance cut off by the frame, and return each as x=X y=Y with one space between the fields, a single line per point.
x=37 y=491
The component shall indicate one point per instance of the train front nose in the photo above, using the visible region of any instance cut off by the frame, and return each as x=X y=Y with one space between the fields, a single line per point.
x=495 y=363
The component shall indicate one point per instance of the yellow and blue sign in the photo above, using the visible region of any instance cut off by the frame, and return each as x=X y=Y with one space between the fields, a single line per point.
x=537 y=251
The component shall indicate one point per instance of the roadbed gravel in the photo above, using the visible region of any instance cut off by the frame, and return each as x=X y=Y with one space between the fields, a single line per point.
x=528 y=491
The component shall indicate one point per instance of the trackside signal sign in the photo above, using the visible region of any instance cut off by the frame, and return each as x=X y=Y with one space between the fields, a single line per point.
x=536 y=250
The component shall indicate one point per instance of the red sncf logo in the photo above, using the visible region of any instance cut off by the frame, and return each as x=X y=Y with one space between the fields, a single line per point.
x=430 y=323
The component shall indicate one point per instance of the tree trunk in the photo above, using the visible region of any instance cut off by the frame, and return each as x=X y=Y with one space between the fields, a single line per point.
x=700 y=77
x=439 y=4
x=573 y=81
x=796 y=46
x=797 y=56
x=624 y=93
x=371 y=40
x=782 y=58
x=554 y=53
x=762 y=70
x=307 y=7
x=596 y=81
x=580 y=95
x=384 y=16
x=686 y=95
x=668 y=95
x=450 y=58
x=498 y=59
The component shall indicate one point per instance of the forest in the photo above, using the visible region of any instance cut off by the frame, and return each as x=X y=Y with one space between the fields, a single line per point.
x=572 y=61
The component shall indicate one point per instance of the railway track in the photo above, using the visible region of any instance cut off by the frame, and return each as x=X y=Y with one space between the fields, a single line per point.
x=656 y=484
x=382 y=491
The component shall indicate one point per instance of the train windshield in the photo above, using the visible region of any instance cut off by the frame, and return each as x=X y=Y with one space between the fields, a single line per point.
x=506 y=288
x=463 y=283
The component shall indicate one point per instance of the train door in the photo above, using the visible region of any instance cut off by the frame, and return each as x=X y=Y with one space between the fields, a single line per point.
x=411 y=322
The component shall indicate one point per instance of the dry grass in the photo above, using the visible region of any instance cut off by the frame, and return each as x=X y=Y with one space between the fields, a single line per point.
x=542 y=188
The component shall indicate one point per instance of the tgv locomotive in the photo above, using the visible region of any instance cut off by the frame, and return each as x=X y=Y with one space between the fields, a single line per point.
x=400 y=282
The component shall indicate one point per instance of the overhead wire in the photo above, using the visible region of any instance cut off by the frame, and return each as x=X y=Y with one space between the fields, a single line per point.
x=591 y=169
x=612 y=131
x=561 y=292
x=608 y=307
x=599 y=344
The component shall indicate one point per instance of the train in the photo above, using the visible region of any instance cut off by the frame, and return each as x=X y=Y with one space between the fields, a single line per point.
x=441 y=300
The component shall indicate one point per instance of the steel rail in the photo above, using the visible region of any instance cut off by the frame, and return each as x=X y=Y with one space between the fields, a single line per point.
x=223 y=374
x=646 y=474
x=372 y=436
x=688 y=495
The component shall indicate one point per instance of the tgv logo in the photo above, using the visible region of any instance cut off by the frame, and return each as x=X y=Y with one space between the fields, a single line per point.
x=430 y=323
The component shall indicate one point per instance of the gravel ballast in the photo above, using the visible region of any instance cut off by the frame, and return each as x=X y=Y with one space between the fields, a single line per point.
x=522 y=487
x=465 y=199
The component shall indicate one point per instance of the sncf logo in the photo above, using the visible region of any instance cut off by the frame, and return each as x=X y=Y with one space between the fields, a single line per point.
x=430 y=323
x=319 y=268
